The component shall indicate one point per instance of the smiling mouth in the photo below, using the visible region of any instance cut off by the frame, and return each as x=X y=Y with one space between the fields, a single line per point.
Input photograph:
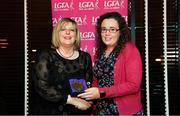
x=67 y=38
x=107 y=39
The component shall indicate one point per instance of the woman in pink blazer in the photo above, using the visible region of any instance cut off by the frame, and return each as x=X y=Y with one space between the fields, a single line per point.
x=117 y=70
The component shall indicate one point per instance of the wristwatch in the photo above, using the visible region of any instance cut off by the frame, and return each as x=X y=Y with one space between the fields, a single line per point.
x=102 y=93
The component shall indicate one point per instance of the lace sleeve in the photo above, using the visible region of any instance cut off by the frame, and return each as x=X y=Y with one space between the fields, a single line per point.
x=88 y=69
x=43 y=85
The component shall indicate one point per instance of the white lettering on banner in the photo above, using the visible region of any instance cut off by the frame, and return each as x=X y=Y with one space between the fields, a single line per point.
x=94 y=20
x=86 y=14
x=88 y=5
x=55 y=20
x=63 y=6
x=113 y=4
x=80 y=20
x=87 y=35
x=126 y=18
x=85 y=48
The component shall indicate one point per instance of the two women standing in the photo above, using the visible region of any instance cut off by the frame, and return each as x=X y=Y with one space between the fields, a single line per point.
x=117 y=71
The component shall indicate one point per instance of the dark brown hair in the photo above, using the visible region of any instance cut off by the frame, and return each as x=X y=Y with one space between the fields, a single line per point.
x=124 y=33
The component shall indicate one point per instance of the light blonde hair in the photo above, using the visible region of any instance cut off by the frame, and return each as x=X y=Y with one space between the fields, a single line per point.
x=55 y=35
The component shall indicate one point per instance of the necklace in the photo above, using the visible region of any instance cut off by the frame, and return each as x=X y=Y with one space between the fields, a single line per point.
x=58 y=51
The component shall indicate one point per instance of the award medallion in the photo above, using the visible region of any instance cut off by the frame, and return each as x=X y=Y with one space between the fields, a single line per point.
x=77 y=86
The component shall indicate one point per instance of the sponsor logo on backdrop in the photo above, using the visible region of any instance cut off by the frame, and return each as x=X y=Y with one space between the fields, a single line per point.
x=113 y=4
x=126 y=18
x=84 y=48
x=87 y=47
x=80 y=20
x=88 y=5
x=55 y=20
x=86 y=13
x=87 y=35
x=94 y=20
x=63 y=6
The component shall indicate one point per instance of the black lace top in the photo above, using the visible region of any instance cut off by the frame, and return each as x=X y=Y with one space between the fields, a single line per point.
x=51 y=77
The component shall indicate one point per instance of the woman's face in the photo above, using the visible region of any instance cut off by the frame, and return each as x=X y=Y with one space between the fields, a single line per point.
x=110 y=32
x=67 y=34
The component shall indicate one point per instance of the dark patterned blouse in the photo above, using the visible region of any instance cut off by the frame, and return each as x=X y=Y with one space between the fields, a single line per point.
x=55 y=77
x=104 y=71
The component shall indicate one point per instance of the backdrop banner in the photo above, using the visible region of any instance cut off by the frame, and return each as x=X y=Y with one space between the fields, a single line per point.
x=85 y=13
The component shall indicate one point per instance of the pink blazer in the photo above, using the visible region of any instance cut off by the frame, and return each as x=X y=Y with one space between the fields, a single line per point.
x=126 y=90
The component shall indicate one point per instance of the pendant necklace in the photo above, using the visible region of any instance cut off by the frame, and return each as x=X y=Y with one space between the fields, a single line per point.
x=63 y=55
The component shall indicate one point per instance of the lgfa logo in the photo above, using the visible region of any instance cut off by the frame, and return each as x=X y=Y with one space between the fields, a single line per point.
x=87 y=5
x=94 y=20
x=55 y=20
x=87 y=35
x=63 y=6
x=113 y=4
x=80 y=20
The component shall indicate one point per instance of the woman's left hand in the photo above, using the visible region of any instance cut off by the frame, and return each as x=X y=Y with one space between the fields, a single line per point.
x=90 y=94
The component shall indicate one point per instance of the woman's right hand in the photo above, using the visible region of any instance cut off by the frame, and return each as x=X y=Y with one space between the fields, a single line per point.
x=90 y=94
x=78 y=103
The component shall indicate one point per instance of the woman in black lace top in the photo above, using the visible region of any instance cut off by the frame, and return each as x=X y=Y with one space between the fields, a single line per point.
x=62 y=72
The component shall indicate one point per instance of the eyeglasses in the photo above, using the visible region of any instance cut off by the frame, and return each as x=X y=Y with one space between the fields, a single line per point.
x=111 y=30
